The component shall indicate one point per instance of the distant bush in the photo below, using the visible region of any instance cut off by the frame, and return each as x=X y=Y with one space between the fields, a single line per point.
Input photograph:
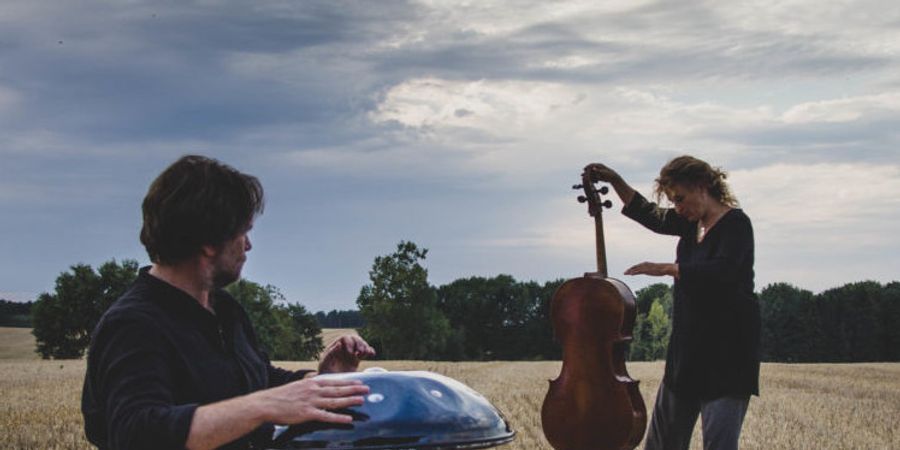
x=15 y=314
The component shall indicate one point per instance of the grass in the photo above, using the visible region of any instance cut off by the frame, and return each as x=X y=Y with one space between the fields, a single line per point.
x=822 y=406
x=17 y=343
x=330 y=334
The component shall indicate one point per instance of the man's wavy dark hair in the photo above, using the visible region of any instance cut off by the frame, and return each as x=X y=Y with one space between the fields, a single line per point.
x=197 y=201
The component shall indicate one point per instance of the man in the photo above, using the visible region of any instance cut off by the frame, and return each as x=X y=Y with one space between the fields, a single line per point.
x=174 y=362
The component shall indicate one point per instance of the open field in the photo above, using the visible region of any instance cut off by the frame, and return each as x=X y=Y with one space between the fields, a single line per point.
x=822 y=406
x=330 y=334
x=17 y=343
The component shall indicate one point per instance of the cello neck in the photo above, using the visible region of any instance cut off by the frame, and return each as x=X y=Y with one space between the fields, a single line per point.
x=601 y=246
x=595 y=209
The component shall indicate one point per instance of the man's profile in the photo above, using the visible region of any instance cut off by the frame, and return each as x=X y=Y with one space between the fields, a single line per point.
x=175 y=362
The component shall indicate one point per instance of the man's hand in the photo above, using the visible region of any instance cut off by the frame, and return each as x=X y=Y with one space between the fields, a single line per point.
x=216 y=424
x=653 y=269
x=344 y=354
x=312 y=399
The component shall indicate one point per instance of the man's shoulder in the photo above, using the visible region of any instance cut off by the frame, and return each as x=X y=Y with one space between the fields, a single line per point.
x=136 y=304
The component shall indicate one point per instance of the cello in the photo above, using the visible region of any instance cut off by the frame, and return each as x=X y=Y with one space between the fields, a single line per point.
x=594 y=404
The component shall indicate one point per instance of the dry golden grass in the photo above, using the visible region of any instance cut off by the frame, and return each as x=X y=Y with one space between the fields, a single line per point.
x=17 y=343
x=821 y=406
x=330 y=334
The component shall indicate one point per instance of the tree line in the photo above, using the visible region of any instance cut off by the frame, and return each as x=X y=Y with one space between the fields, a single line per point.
x=340 y=319
x=500 y=318
x=478 y=318
x=15 y=314
x=62 y=321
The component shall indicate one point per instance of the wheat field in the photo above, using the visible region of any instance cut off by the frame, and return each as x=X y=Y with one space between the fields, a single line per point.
x=820 y=406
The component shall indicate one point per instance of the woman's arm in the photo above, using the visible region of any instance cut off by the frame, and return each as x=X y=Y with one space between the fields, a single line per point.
x=636 y=207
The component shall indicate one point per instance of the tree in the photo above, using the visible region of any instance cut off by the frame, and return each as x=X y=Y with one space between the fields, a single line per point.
x=340 y=319
x=651 y=334
x=489 y=317
x=851 y=316
x=645 y=297
x=15 y=314
x=307 y=334
x=400 y=307
x=890 y=317
x=284 y=332
x=63 y=321
x=790 y=330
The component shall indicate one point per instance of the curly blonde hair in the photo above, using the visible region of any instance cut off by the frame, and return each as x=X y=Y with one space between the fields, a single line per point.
x=693 y=172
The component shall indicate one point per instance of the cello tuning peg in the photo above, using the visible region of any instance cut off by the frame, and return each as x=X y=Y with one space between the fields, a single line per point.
x=607 y=204
x=577 y=186
x=604 y=190
x=582 y=199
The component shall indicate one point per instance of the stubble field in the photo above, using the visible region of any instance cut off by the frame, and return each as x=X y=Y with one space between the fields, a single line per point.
x=820 y=406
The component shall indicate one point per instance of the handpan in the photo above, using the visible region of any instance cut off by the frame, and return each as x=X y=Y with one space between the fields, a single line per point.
x=405 y=410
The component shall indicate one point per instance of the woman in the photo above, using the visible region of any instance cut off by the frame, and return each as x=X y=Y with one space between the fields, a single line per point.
x=712 y=363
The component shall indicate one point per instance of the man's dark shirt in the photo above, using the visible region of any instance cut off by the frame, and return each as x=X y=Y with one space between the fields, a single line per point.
x=714 y=347
x=157 y=354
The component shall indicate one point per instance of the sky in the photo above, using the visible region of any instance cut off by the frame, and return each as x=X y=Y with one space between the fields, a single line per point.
x=458 y=125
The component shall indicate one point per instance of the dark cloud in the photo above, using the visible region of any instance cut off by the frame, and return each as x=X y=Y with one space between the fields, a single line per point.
x=163 y=71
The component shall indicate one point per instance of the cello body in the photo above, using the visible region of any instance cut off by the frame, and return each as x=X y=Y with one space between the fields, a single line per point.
x=594 y=404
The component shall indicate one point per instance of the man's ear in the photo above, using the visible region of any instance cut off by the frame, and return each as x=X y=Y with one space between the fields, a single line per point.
x=209 y=251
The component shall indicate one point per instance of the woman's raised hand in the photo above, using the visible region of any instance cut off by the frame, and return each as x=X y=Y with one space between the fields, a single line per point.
x=601 y=172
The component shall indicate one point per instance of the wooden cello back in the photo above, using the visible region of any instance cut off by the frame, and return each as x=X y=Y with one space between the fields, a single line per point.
x=593 y=404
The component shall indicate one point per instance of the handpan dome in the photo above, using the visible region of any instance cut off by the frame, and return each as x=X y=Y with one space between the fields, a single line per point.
x=406 y=410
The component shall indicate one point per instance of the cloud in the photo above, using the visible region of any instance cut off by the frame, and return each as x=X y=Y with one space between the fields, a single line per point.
x=485 y=110
x=845 y=109
x=504 y=107
x=838 y=206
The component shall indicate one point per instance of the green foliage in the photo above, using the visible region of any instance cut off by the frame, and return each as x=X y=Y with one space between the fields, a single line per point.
x=852 y=314
x=15 y=314
x=652 y=325
x=400 y=307
x=63 y=321
x=790 y=331
x=285 y=332
x=651 y=333
x=657 y=292
x=307 y=334
x=491 y=318
x=852 y=323
x=890 y=321
x=340 y=319
x=481 y=318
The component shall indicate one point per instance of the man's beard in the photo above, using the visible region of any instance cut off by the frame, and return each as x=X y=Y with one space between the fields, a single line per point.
x=223 y=277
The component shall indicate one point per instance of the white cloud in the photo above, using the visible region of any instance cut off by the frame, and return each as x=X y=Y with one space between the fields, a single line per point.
x=867 y=26
x=844 y=109
x=841 y=205
x=498 y=17
x=821 y=225
x=500 y=107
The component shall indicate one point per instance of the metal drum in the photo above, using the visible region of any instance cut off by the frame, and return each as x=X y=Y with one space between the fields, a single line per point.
x=405 y=410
